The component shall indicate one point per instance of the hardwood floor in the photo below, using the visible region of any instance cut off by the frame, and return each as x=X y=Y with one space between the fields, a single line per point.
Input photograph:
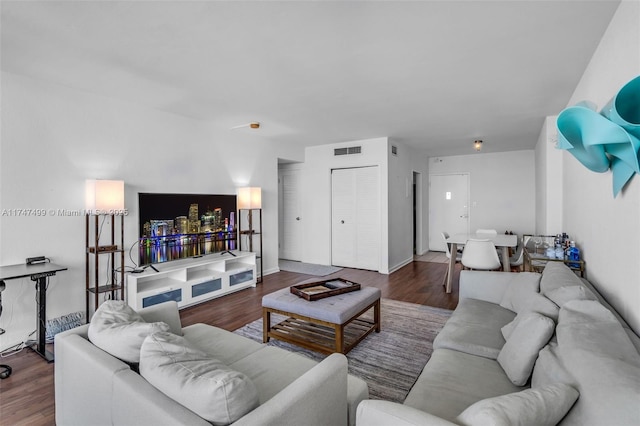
x=27 y=397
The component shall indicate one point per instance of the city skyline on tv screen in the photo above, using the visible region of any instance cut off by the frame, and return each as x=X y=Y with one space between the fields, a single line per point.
x=176 y=226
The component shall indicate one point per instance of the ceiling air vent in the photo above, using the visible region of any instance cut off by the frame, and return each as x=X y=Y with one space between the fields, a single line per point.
x=348 y=151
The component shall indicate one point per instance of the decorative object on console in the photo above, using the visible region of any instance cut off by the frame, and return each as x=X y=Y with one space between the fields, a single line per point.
x=606 y=140
x=103 y=198
x=250 y=201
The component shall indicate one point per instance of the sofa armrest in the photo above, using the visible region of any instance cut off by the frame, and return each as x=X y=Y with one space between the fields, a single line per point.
x=83 y=378
x=383 y=413
x=318 y=397
x=491 y=285
x=167 y=312
x=136 y=402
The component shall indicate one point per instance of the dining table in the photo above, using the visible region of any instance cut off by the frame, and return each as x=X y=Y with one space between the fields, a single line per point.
x=501 y=241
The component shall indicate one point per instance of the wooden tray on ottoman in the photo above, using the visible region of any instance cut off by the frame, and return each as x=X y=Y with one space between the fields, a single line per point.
x=321 y=289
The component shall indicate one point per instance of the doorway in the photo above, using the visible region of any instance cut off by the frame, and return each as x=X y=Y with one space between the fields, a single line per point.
x=417 y=213
x=448 y=207
x=290 y=208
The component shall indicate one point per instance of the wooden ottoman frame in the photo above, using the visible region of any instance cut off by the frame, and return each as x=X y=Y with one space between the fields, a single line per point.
x=318 y=335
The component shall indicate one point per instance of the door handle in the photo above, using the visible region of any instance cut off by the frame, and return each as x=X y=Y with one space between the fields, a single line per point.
x=464 y=216
x=342 y=221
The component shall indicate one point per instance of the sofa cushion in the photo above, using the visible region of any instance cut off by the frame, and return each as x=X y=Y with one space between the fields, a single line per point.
x=208 y=338
x=604 y=364
x=516 y=296
x=119 y=330
x=271 y=369
x=536 y=303
x=474 y=328
x=549 y=369
x=556 y=275
x=452 y=381
x=562 y=295
x=544 y=406
x=519 y=353
x=195 y=379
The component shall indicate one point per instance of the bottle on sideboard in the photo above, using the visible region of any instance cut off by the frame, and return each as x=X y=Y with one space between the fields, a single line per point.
x=573 y=254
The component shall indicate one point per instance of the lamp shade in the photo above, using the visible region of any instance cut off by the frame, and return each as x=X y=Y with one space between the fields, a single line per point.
x=104 y=196
x=249 y=198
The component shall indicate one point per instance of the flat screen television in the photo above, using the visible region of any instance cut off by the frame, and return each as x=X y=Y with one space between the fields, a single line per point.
x=179 y=226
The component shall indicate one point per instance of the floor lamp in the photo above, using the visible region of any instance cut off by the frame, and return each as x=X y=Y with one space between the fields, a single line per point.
x=250 y=200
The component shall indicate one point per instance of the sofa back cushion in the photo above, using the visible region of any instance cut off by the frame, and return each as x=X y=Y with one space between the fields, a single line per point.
x=535 y=303
x=119 y=330
x=556 y=275
x=519 y=353
x=562 y=295
x=195 y=379
x=544 y=406
x=603 y=363
x=549 y=369
x=519 y=291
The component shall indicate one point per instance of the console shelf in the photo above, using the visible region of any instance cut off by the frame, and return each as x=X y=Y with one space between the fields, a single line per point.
x=111 y=287
x=191 y=281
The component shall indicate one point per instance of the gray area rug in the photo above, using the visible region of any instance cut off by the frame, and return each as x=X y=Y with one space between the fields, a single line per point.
x=390 y=361
x=307 y=268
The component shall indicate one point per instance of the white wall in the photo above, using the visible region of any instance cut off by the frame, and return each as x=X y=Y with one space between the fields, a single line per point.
x=53 y=138
x=607 y=229
x=400 y=208
x=548 y=181
x=502 y=188
x=319 y=161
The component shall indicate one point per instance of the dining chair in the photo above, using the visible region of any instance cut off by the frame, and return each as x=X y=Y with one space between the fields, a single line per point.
x=445 y=235
x=480 y=254
x=517 y=259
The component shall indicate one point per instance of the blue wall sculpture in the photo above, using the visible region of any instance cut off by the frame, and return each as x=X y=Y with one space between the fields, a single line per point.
x=606 y=140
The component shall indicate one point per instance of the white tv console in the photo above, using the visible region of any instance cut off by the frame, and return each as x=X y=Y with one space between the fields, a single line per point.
x=194 y=280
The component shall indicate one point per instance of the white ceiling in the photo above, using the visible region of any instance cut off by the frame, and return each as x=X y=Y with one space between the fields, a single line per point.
x=435 y=75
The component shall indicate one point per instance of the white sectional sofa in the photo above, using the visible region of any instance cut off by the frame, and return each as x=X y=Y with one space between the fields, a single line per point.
x=568 y=358
x=93 y=387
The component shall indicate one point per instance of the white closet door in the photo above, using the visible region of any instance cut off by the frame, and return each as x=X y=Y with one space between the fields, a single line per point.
x=343 y=217
x=291 y=243
x=356 y=218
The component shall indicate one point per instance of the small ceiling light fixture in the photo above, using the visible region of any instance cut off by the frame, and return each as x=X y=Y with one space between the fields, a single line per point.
x=477 y=145
x=253 y=125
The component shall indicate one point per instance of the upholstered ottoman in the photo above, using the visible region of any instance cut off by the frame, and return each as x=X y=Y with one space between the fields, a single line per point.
x=332 y=324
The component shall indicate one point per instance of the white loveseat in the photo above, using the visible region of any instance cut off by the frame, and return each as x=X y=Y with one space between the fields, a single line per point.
x=93 y=387
x=586 y=371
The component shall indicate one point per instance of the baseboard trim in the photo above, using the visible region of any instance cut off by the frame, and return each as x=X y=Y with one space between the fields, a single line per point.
x=401 y=264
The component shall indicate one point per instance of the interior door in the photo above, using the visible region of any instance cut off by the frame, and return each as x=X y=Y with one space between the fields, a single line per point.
x=448 y=207
x=291 y=215
x=355 y=218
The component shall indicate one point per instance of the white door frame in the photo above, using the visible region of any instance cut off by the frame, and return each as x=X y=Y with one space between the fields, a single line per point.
x=418 y=232
x=282 y=169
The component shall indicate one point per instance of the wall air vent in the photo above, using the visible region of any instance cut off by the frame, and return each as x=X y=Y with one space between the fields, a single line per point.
x=348 y=151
